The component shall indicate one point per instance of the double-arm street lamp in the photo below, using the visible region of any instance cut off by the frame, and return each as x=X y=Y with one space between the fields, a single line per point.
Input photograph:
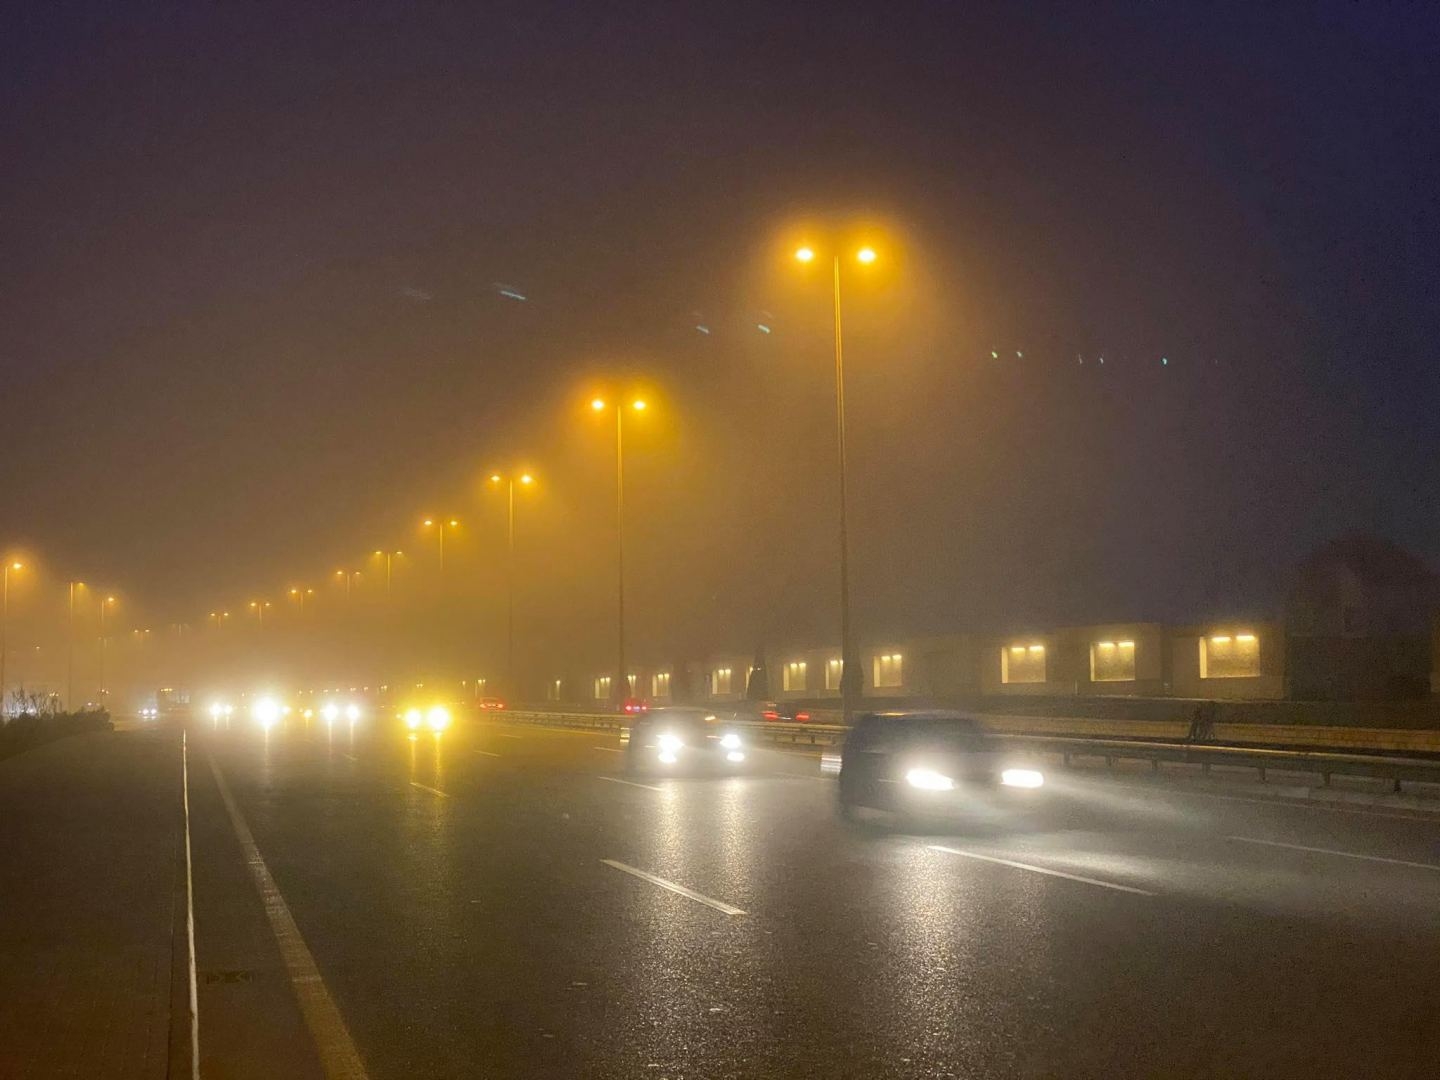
x=850 y=675
x=389 y=557
x=525 y=480
x=440 y=525
x=620 y=687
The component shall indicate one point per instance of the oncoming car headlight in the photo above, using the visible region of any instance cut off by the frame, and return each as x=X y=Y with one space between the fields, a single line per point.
x=438 y=718
x=929 y=780
x=669 y=742
x=413 y=718
x=1029 y=778
x=730 y=741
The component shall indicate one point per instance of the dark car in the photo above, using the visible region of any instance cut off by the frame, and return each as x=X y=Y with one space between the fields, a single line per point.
x=924 y=764
x=683 y=738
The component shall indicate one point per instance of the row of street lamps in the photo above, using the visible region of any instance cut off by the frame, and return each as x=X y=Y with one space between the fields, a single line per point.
x=107 y=604
x=850 y=681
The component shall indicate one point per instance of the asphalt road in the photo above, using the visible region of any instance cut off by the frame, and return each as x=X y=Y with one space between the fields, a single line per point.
x=496 y=901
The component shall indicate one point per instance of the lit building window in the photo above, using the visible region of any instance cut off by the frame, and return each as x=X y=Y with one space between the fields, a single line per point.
x=630 y=681
x=889 y=671
x=1022 y=664
x=720 y=681
x=660 y=684
x=833 y=670
x=553 y=690
x=1112 y=661
x=602 y=688
x=795 y=675
x=1229 y=656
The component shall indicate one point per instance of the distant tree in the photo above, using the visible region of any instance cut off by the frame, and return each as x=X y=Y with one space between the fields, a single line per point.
x=758 y=688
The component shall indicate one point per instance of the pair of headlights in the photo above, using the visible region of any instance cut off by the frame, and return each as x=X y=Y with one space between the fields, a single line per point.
x=930 y=780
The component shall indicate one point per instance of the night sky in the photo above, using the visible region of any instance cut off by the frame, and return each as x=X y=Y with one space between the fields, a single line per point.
x=251 y=324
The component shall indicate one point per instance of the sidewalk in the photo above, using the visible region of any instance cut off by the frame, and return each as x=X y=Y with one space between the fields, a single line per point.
x=90 y=833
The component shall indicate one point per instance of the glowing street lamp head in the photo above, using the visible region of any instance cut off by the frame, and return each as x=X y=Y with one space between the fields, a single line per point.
x=428 y=522
x=638 y=405
x=495 y=478
x=805 y=254
x=597 y=404
x=866 y=255
x=526 y=478
x=17 y=565
x=453 y=523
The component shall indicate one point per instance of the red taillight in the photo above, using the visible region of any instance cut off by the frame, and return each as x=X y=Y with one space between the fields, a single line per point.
x=802 y=717
x=770 y=714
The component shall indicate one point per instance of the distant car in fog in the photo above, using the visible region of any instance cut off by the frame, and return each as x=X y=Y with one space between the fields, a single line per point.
x=930 y=764
x=682 y=737
x=489 y=703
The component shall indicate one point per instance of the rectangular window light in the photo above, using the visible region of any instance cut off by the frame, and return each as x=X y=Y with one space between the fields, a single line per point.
x=1022 y=664
x=1225 y=657
x=1112 y=661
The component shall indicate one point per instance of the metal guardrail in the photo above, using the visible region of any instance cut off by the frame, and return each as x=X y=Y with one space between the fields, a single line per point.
x=1322 y=763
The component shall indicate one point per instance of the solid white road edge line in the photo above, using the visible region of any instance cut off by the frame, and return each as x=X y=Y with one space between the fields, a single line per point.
x=689 y=894
x=1040 y=870
x=607 y=749
x=630 y=783
x=1331 y=851
x=338 y=1056
x=487 y=753
x=190 y=914
x=431 y=790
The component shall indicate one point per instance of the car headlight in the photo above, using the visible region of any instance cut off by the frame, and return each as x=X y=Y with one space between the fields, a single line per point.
x=413 y=717
x=438 y=718
x=268 y=712
x=352 y=712
x=730 y=741
x=1031 y=778
x=669 y=742
x=330 y=711
x=929 y=780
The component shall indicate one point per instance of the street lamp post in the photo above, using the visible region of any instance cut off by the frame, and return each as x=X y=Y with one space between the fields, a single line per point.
x=5 y=628
x=850 y=676
x=219 y=617
x=299 y=595
x=620 y=687
x=389 y=557
x=105 y=604
x=525 y=480
x=259 y=606
x=70 y=650
x=440 y=526
x=349 y=576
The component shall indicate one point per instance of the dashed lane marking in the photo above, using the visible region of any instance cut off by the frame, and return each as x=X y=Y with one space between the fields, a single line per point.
x=680 y=890
x=1040 y=870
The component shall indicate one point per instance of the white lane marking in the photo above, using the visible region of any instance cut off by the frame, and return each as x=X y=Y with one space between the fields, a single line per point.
x=1040 y=870
x=349 y=757
x=689 y=894
x=607 y=749
x=338 y=1056
x=503 y=735
x=431 y=790
x=487 y=753
x=630 y=783
x=1331 y=851
x=190 y=914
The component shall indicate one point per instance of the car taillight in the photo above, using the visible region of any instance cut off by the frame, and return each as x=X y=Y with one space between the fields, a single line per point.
x=802 y=717
x=770 y=714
